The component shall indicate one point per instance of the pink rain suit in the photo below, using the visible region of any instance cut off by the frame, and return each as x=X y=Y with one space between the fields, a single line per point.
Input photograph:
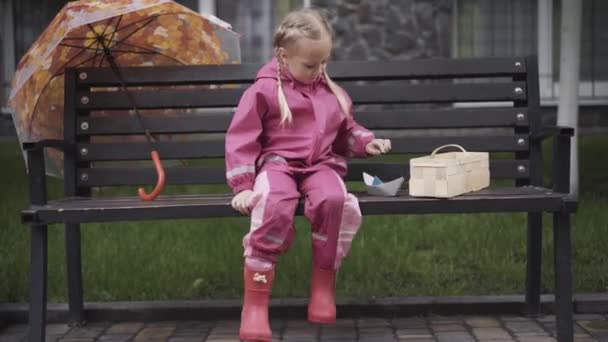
x=282 y=163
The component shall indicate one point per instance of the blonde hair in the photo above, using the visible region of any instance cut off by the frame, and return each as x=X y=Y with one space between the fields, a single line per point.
x=303 y=23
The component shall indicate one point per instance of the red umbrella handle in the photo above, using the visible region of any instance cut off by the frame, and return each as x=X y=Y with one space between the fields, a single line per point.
x=159 y=184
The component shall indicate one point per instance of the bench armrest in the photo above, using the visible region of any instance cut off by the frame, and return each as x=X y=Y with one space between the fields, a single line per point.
x=562 y=137
x=551 y=131
x=36 y=169
x=51 y=143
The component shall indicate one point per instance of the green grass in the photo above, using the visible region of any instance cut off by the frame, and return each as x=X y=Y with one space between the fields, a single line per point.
x=392 y=255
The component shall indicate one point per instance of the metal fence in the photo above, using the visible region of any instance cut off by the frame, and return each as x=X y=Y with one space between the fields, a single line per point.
x=510 y=28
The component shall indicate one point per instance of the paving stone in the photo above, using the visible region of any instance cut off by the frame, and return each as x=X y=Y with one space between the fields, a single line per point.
x=301 y=339
x=341 y=322
x=581 y=335
x=531 y=333
x=422 y=331
x=191 y=332
x=405 y=323
x=509 y=318
x=186 y=339
x=14 y=328
x=445 y=320
x=125 y=328
x=491 y=333
x=377 y=339
x=115 y=337
x=547 y=318
x=375 y=330
x=162 y=324
x=448 y=327
x=523 y=326
x=57 y=329
x=536 y=339
x=339 y=333
x=414 y=336
x=86 y=332
x=12 y=337
x=52 y=338
x=588 y=317
x=482 y=322
x=594 y=326
x=456 y=336
x=372 y=323
x=601 y=337
x=154 y=333
x=409 y=329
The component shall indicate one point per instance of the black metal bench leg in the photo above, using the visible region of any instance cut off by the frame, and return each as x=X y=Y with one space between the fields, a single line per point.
x=74 y=274
x=534 y=261
x=563 y=276
x=38 y=272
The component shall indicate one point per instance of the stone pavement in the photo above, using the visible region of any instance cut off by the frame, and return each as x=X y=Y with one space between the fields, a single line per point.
x=434 y=328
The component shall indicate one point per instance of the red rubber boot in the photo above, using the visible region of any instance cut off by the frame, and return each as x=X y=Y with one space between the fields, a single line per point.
x=322 y=306
x=254 y=317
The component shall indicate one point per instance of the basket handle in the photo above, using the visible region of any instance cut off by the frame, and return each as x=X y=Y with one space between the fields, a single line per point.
x=449 y=145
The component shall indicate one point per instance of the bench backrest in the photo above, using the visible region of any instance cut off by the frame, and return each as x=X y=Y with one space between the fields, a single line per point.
x=431 y=101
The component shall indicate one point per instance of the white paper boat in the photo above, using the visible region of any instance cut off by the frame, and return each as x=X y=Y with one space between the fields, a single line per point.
x=376 y=187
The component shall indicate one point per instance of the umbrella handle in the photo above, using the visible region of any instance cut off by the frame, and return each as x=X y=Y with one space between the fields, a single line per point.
x=159 y=184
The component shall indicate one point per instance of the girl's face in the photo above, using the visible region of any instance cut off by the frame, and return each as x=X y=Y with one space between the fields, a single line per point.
x=306 y=58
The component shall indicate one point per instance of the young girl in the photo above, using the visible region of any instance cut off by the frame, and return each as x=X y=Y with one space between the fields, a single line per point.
x=288 y=139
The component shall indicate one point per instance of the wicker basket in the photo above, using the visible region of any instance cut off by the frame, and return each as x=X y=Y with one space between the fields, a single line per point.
x=449 y=174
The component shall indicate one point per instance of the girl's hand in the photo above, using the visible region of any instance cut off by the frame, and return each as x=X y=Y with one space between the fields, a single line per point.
x=240 y=202
x=378 y=146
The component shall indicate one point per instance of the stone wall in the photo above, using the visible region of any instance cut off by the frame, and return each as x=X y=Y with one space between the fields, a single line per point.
x=389 y=29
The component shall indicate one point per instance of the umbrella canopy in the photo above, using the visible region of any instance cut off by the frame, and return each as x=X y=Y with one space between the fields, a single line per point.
x=100 y=33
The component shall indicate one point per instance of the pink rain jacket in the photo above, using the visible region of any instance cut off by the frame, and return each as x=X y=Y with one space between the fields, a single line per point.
x=320 y=135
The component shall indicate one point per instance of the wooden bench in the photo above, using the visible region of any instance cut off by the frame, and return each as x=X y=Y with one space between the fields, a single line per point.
x=506 y=119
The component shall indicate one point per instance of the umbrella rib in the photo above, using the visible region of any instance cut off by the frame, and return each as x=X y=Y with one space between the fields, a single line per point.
x=38 y=101
x=150 y=19
x=86 y=60
x=98 y=45
x=76 y=38
x=116 y=29
x=103 y=34
x=103 y=56
x=111 y=37
x=97 y=50
x=101 y=61
x=81 y=47
x=134 y=32
x=133 y=51
x=155 y=52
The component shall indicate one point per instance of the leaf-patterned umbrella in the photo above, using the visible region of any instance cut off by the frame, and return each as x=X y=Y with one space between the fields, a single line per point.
x=101 y=33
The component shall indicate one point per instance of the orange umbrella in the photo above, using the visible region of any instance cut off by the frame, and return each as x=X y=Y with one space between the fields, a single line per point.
x=115 y=33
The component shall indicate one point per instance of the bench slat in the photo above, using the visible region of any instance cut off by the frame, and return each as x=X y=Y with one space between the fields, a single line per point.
x=361 y=94
x=389 y=119
x=215 y=148
x=116 y=176
x=516 y=199
x=344 y=70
